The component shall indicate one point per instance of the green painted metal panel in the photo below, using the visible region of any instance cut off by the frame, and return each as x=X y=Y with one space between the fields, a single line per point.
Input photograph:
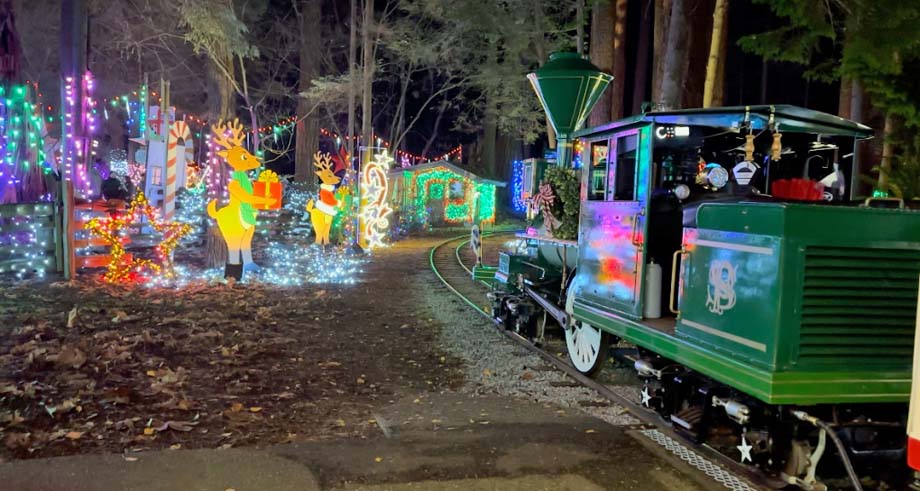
x=728 y=285
x=568 y=86
x=849 y=384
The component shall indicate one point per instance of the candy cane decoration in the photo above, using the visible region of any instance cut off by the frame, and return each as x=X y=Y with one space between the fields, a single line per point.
x=179 y=130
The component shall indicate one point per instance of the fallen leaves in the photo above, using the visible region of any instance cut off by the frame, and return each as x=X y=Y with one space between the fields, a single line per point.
x=16 y=440
x=176 y=426
x=87 y=367
x=73 y=435
x=69 y=356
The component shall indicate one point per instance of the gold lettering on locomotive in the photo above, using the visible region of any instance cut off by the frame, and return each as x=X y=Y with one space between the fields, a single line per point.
x=720 y=295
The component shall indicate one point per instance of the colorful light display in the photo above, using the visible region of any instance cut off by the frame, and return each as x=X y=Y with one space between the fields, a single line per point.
x=23 y=160
x=517 y=187
x=375 y=210
x=25 y=244
x=124 y=267
x=434 y=184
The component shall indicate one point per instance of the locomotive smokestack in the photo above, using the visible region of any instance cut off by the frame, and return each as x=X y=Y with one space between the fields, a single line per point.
x=568 y=86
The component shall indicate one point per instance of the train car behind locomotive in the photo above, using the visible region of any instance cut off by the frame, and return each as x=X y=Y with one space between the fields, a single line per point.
x=773 y=312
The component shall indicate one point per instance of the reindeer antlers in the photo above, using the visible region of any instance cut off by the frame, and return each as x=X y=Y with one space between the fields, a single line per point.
x=322 y=161
x=220 y=134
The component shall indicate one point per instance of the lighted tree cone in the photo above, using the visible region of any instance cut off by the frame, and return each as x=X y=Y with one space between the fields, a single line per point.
x=237 y=220
x=323 y=211
x=373 y=219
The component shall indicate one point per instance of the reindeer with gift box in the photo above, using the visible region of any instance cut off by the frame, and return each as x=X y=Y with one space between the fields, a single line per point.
x=237 y=220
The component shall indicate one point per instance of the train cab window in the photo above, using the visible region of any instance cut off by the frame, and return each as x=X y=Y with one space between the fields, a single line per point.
x=623 y=185
x=597 y=172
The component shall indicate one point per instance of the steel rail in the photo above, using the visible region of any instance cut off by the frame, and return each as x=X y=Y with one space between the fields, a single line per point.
x=752 y=478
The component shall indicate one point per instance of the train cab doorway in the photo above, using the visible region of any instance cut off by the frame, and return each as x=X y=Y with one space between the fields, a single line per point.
x=613 y=223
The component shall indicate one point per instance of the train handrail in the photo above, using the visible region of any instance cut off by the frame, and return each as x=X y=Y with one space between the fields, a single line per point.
x=677 y=253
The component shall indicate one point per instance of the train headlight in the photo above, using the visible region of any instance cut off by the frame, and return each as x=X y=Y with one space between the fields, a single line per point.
x=682 y=191
x=716 y=176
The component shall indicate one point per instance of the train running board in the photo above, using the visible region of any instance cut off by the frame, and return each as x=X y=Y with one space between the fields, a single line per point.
x=550 y=308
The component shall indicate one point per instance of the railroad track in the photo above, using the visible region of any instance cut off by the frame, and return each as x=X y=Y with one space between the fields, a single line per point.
x=450 y=262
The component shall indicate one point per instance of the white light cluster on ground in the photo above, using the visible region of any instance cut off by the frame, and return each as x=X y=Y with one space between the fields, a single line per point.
x=190 y=209
x=283 y=265
x=25 y=245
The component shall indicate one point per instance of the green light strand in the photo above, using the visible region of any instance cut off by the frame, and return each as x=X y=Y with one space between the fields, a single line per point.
x=431 y=186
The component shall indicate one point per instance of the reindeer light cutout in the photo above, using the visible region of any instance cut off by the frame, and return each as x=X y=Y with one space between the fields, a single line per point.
x=326 y=208
x=237 y=220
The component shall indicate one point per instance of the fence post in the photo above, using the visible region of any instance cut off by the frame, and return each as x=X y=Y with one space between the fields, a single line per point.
x=58 y=235
x=68 y=238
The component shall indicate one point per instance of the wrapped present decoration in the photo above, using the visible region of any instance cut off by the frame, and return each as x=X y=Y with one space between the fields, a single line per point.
x=267 y=186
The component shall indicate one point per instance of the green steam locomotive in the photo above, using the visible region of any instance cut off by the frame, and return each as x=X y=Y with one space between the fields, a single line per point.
x=772 y=313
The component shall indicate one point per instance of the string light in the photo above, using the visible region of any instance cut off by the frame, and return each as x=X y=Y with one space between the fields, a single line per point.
x=26 y=248
x=517 y=187
x=436 y=184
x=124 y=267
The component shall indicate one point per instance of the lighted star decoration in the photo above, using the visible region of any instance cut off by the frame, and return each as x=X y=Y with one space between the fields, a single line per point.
x=123 y=267
x=374 y=206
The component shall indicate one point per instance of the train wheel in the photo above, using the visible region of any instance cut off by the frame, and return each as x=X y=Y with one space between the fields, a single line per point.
x=588 y=347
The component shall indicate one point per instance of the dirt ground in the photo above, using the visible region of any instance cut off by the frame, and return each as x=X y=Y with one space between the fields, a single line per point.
x=389 y=384
x=87 y=367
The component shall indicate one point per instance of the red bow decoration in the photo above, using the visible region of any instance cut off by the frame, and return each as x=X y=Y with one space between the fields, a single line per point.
x=340 y=161
x=543 y=201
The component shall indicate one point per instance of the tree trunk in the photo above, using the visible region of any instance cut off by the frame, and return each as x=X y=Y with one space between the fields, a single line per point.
x=887 y=153
x=719 y=15
x=489 y=134
x=618 y=85
x=307 y=129
x=698 y=23
x=352 y=75
x=603 y=21
x=662 y=21
x=640 y=77
x=843 y=104
x=540 y=46
x=434 y=127
x=718 y=96
x=672 y=76
x=580 y=26
x=857 y=102
x=220 y=107
x=396 y=128
x=367 y=110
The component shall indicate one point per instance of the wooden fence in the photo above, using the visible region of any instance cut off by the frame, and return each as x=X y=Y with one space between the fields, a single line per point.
x=89 y=251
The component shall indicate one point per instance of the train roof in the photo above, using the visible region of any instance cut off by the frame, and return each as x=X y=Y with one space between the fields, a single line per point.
x=789 y=118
